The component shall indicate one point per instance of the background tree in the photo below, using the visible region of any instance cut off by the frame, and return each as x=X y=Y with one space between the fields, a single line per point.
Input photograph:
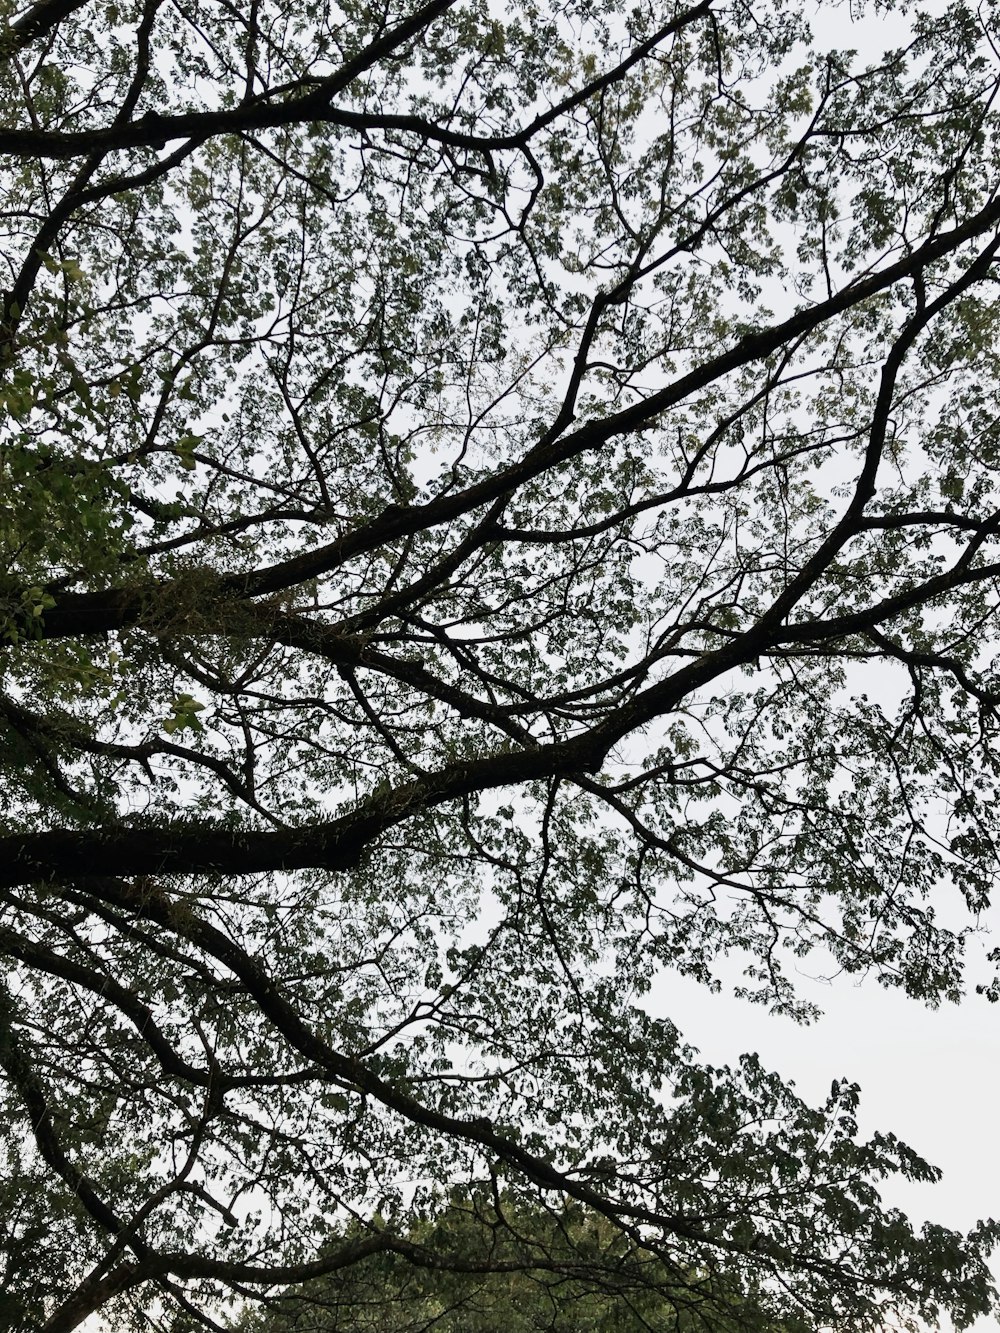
x=464 y=470
x=527 y=1269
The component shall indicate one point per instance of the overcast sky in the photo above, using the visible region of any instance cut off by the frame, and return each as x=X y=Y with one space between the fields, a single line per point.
x=930 y=1076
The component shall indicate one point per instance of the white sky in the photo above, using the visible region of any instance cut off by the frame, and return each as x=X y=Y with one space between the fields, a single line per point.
x=930 y=1076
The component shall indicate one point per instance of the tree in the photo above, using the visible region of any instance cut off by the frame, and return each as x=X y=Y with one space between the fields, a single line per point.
x=502 y=1286
x=497 y=504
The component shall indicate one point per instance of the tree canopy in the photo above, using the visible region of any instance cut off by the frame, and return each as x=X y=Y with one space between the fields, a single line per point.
x=498 y=502
x=502 y=1285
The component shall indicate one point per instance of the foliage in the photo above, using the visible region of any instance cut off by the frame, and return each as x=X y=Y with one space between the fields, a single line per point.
x=498 y=502
x=525 y=1269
